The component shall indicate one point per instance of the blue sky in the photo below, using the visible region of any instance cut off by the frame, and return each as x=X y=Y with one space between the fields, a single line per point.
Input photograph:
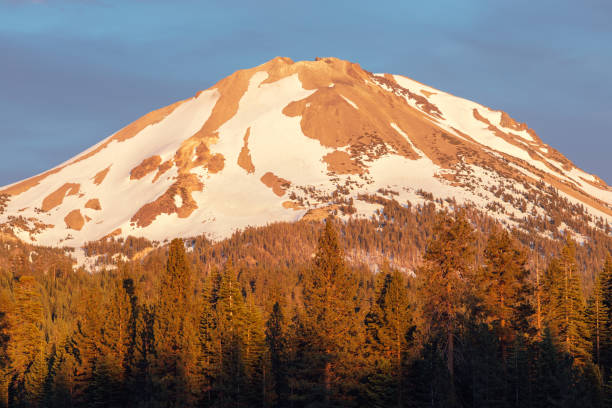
x=74 y=71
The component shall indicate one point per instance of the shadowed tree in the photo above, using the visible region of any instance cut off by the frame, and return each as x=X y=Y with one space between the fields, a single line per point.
x=6 y=305
x=277 y=347
x=388 y=326
x=448 y=267
x=605 y=337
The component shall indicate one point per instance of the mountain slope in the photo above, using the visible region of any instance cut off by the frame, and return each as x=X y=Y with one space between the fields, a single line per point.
x=273 y=142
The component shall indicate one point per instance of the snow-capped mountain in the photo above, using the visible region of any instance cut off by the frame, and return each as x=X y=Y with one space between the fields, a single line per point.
x=274 y=142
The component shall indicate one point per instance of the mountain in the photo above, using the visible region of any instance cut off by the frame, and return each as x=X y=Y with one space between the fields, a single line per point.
x=290 y=140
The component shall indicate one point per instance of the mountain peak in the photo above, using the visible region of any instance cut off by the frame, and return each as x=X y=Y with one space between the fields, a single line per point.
x=276 y=141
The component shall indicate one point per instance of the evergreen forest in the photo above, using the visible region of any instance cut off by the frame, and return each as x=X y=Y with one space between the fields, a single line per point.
x=478 y=320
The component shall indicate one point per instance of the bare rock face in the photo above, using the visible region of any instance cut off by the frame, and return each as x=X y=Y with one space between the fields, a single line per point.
x=57 y=197
x=277 y=184
x=94 y=204
x=74 y=220
x=145 y=167
x=296 y=140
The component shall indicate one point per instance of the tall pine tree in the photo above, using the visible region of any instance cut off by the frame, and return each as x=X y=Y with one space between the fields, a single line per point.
x=505 y=289
x=329 y=291
x=277 y=347
x=449 y=260
x=565 y=308
x=27 y=348
x=605 y=346
x=389 y=325
x=174 y=328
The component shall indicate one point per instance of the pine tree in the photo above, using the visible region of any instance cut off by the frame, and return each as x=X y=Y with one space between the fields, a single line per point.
x=505 y=289
x=389 y=324
x=329 y=291
x=277 y=345
x=208 y=341
x=6 y=306
x=565 y=306
x=63 y=368
x=605 y=284
x=480 y=372
x=117 y=340
x=597 y=316
x=231 y=317
x=174 y=326
x=130 y=360
x=449 y=266
x=553 y=376
x=144 y=357
x=87 y=347
x=254 y=355
x=230 y=307
x=519 y=373
x=27 y=347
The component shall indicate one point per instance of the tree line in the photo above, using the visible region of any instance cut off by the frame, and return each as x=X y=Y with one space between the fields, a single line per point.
x=472 y=326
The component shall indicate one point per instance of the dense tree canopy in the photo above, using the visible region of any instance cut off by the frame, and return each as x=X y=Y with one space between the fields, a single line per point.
x=294 y=316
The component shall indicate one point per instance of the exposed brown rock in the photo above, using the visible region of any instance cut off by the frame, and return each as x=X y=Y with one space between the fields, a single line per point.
x=507 y=122
x=165 y=204
x=480 y=118
x=513 y=139
x=100 y=176
x=312 y=74
x=326 y=117
x=244 y=159
x=216 y=163
x=164 y=167
x=292 y=205
x=277 y=184
x=428 y=107
x=149 y=119
x=29 y=183
x=112 y=234
x=147 y=166
x=451 y=177
x=93 y=204
x=598 y=183
x=231 y=90
x=74 y=220
x=340 y=162
x=57 y=197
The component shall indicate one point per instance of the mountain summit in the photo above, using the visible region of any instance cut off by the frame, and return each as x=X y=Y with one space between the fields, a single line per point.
x=289 y=139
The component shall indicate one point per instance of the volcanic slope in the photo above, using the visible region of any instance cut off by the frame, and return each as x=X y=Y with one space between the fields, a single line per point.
x=288 y=139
